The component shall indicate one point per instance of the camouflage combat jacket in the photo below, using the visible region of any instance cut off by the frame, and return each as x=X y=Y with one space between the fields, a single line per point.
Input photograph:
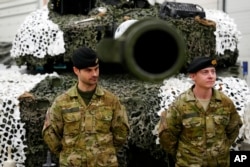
x=195 y=137
x=86 y=136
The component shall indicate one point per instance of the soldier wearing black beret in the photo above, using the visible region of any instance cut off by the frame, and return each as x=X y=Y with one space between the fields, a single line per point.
x=200 y=126
x=87 y=124
x=201 y=62
x=84 y=57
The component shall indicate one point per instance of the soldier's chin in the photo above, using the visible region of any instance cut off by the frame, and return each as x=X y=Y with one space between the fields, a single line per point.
x=93 y=80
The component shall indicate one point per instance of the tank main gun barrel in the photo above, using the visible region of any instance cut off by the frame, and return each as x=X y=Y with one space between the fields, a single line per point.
x=150 y=49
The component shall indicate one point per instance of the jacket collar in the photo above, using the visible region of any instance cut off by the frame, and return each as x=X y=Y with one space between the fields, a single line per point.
x=72 y=92
x=190 y=95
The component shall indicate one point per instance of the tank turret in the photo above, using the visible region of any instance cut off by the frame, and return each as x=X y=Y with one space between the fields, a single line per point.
x=156 y=46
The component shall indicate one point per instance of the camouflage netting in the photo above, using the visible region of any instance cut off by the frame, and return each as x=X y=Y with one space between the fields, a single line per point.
x=227 y=35
x=217 y=37
x=38 y=37
x=12 y=128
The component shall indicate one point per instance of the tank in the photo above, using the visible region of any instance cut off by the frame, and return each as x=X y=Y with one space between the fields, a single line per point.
x=141 y=38
x=147 y=40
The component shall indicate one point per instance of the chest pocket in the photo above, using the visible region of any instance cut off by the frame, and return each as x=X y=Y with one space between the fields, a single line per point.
x=192 y=127
x=72 y=121
x=221 y=121
x=103 y=116
x=192 y=122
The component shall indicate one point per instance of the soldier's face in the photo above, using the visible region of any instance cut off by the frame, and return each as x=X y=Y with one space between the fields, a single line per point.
x=88 y=76
x=205 y=77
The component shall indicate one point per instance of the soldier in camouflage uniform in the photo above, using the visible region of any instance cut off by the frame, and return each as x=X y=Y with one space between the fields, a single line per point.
x=200 y=126
x=87 y=124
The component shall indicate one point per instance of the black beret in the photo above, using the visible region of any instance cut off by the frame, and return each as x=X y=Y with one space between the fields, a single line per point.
x=84 y=57
x=199 y=63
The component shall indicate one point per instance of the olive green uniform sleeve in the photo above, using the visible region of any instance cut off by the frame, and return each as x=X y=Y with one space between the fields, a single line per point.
x=52 y=129
x=169 y=130
x=233 y=128
x=120 y=125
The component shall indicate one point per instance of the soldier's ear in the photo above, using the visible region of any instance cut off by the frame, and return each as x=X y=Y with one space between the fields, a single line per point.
x=191 y=75
x=76 y=70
